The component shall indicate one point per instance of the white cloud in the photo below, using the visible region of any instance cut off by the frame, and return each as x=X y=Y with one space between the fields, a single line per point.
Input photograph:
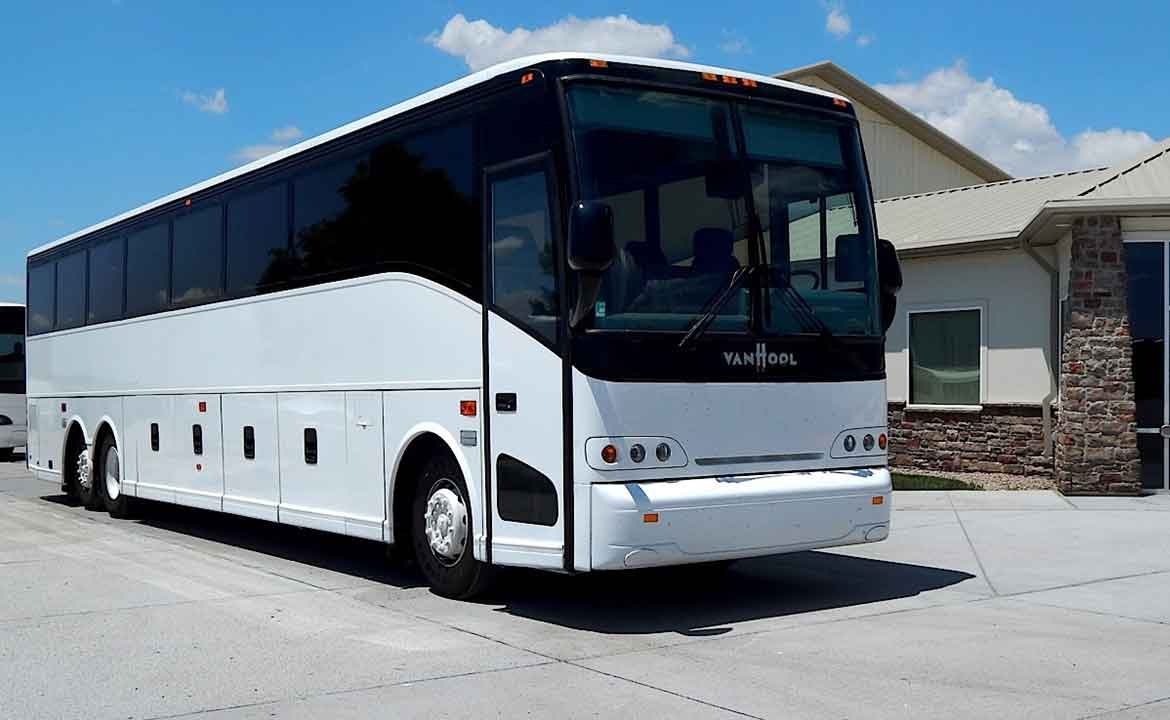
x=1015 y=134
x=480 y=44
x=837 y=22
x=215 y=103
x=282 y=138
x=734 y=44
x=288 y=133
x=864 y=40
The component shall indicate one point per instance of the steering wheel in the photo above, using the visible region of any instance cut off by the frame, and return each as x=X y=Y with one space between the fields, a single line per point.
x=808 y=273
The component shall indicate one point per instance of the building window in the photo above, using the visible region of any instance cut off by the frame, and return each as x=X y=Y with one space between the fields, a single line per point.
x=946 y=357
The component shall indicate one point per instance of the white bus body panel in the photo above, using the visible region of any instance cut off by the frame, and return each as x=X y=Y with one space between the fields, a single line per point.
x=15 y=408
x=765 y=487
x=251 y=486
x=533 y=434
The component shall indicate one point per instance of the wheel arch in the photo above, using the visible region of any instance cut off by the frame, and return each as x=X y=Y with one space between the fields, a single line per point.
x=75 y=430
x=419 y=443
x=105 y=425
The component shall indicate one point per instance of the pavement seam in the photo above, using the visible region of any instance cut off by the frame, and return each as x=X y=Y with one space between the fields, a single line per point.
x=1086 y=583
x=1087 y=611
x=974 y=552
x=1125 y=708
x=331 y=693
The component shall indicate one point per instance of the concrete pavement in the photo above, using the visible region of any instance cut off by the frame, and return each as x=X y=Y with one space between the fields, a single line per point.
x=981 y=604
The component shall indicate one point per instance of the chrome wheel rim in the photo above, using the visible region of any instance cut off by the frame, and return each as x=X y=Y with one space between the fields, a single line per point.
x=112 y=470
x=84 y=478
x=445 y=522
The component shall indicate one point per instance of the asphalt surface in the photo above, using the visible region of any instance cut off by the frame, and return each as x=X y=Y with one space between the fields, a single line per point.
x=980 y=605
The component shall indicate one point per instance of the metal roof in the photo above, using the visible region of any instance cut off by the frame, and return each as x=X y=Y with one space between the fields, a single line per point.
x=975 y=213
x=430 y=96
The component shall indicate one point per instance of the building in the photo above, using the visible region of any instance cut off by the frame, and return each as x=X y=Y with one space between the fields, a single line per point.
x=1031 y=329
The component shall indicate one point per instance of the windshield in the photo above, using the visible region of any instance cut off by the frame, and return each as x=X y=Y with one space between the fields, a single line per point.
x=701 y=187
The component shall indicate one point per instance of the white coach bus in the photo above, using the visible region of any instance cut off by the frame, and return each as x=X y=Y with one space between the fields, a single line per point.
x=571 y=312
x=12 y=401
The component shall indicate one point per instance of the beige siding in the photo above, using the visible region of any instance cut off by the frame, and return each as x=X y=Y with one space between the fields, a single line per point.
x=1013 y=292
x=1145 y=224
x=899 y=163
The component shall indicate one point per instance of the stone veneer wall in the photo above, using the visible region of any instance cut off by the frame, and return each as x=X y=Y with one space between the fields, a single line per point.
x=1096 y=434
x=998 y=438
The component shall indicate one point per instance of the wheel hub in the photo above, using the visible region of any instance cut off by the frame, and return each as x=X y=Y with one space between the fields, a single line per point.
x=112 y=470
x=446 y=525
x=83 y=474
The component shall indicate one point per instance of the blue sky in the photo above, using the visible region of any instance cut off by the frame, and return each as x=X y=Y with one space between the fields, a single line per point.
x=109 y=104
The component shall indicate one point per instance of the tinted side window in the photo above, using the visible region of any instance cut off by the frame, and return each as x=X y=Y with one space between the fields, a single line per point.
x=105 y=281
x=71 y=291
x=523 y=267
x=42 y=292
x=332 y=225
x=426 y=209
x=147 y=261
x=257 y=239
x=515 y=125
x=198 y=259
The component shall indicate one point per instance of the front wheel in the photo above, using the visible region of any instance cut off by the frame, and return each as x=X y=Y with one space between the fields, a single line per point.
x=109 y=478
x=441 y=531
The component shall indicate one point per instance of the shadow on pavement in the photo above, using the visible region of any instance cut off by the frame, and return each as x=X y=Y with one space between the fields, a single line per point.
x=698 y=600
x=690 y=600
x=337 y=553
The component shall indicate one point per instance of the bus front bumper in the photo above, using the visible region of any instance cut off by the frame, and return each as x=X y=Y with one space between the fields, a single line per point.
x=723 y=518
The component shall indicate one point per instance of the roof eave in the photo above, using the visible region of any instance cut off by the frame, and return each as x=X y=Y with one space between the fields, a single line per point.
x=861 y=91
x=1055 y=217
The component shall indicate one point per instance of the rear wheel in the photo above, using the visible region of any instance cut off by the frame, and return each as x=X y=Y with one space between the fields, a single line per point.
x=109 y=478
x=441 y=531
x=87 y=490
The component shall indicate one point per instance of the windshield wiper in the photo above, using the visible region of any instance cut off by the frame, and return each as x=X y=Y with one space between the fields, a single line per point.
x=803 y=312
x=717 y=301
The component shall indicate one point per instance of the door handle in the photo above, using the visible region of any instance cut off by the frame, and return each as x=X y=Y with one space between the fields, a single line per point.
x=506 y=402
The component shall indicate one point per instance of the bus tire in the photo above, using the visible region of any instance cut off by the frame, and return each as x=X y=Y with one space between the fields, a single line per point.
x=6 y=454
x=108 y=477
x=441 y=531
x=87 y=490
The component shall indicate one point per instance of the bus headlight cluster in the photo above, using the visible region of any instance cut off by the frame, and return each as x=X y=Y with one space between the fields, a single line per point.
x=617 y=453
x=859 y=442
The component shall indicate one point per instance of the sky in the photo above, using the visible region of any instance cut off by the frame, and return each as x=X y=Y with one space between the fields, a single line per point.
x=109 y=104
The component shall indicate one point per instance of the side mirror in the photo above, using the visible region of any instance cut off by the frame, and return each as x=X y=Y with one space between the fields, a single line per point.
x=889 y=281
x=591 y=247
x=850 y=262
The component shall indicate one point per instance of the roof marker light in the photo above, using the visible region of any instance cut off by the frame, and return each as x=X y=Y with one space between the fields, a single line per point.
x=840 y=103
x=748 y=82
x=729 y=80
x=710 y=76
x=598 y=64
x=527 y=78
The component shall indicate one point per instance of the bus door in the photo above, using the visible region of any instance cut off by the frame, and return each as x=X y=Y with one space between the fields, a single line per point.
x=522 y=368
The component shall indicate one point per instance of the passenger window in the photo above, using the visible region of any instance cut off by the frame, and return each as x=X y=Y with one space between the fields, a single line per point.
x=523 y=264
x=257 y=239
x=71 y=291
x=332 y=209
x=42 y=292
x=198 y=248
x=105 y=281
x=147 y=260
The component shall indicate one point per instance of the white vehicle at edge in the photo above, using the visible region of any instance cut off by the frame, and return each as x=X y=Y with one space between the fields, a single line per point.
x=12 y=386
x=572 y=312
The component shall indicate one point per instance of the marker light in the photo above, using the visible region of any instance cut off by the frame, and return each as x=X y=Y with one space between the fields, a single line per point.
x=867 y=442
x=202 y=406
x=850 y=443
x=598 y=64
x=609 y=454
x=467 y=408
x=877 y=500
x=710 y=76
x=650 y=517
x=748 y=82
x=637 y=453
x=882 y=441
x=662 y=452
x=526 y=78
x=840 y=103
